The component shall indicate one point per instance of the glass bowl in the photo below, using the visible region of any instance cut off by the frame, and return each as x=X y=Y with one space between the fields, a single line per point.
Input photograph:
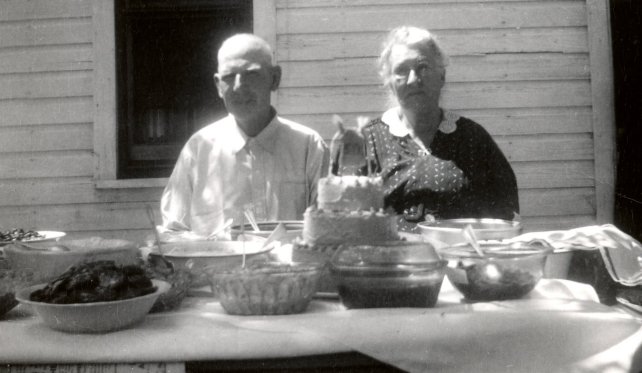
x=395 y=274
x=448 y=231
x=506 y=271
x=269 y=288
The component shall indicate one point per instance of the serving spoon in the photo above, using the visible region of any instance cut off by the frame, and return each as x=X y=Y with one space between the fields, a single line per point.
x=470 y=236
x=150 y=216
x=227 y=224
x=251 y=219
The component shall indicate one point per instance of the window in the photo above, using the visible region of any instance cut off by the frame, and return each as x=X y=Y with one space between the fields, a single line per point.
x=165 y=59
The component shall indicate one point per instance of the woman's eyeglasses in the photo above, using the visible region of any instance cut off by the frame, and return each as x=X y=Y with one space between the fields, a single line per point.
x=421 y=70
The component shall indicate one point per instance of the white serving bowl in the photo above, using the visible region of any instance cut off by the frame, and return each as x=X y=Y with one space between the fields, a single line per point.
x=97 y=317
x=47 y=264
x=294 y=229
x=213 y=256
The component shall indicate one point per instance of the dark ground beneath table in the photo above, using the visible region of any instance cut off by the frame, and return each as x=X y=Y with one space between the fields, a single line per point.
x=349 y=362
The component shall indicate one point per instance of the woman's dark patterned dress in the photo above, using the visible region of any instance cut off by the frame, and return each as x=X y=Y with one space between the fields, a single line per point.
x=463 y=174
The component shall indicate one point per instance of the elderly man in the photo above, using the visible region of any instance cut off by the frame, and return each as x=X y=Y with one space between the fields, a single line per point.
x=250 y=159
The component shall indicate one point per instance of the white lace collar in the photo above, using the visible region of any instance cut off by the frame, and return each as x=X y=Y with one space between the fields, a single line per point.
x=398 y=128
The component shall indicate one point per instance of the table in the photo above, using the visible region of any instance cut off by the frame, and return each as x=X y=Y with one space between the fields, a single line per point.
x=558 y=327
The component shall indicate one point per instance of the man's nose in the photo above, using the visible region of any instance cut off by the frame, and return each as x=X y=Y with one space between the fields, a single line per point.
x=413 y=77
x=238 y=80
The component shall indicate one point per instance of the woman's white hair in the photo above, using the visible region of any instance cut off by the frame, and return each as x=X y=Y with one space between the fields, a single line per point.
x=414 y=36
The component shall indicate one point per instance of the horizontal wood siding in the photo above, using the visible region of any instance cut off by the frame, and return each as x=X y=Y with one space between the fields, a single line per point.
x=521 y=68
x=46 y=126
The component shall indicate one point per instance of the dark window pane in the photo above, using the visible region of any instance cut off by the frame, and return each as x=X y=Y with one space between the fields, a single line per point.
x=166 y=58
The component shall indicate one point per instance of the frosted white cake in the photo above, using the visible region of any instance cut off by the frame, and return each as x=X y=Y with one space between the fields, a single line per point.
x=349 y=210
x=350 y=193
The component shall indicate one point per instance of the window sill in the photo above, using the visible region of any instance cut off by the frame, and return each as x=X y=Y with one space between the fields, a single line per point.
x=132 y=183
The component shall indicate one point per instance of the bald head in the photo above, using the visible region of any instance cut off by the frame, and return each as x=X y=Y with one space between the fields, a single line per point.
x=245 y=80
x=247 y=45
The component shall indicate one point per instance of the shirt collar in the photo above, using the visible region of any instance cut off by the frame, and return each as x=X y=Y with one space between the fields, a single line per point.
x=397 y=127
x=265 y=139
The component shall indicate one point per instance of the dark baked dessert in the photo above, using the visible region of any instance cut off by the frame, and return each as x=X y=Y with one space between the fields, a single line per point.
x=99 y=281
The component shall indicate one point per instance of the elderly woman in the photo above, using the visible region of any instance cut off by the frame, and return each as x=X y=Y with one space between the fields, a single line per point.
x=433 y=161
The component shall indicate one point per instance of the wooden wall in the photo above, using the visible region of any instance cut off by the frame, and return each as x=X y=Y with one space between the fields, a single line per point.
x=46 y=126
x=521 y=68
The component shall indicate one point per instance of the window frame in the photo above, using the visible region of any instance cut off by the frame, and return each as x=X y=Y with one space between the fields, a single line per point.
x=105 y=100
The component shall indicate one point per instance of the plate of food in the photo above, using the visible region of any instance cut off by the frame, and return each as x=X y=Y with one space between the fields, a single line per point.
x=19 y=234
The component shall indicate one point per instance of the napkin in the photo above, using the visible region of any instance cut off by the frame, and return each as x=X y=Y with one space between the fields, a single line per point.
x=622 y=254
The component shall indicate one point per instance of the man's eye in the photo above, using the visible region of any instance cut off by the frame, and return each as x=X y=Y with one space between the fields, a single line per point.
x=251 y=73
x=422 y=68
x=228 y=77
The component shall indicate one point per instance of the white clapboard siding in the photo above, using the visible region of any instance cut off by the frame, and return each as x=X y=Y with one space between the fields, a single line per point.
x=27 y=10
x=58 y=110
x=43 y=59
x=305 y=47
x=46 y=85
x=520 y=68
x=480 y=95
x=39 y=191
x=547 y=147
x=46 y=164
x=470 y=68
x=131 y=215
x=519 y=121
x=20 y=139
x=359 y=3
x=435 y=16
x=554 y=223
x=80 y=217
x=46 y=32
x=56 y=191
x=565 y=174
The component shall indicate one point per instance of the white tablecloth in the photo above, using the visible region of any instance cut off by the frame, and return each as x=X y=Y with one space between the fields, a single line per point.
x=559 y=327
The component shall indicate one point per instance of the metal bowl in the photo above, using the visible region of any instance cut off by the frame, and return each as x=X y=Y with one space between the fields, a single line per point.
x=48 y=264
x=448 y=232
x=197 y=257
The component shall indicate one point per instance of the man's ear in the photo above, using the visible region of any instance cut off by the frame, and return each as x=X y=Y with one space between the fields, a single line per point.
x=276 y=77
x=217 y=81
